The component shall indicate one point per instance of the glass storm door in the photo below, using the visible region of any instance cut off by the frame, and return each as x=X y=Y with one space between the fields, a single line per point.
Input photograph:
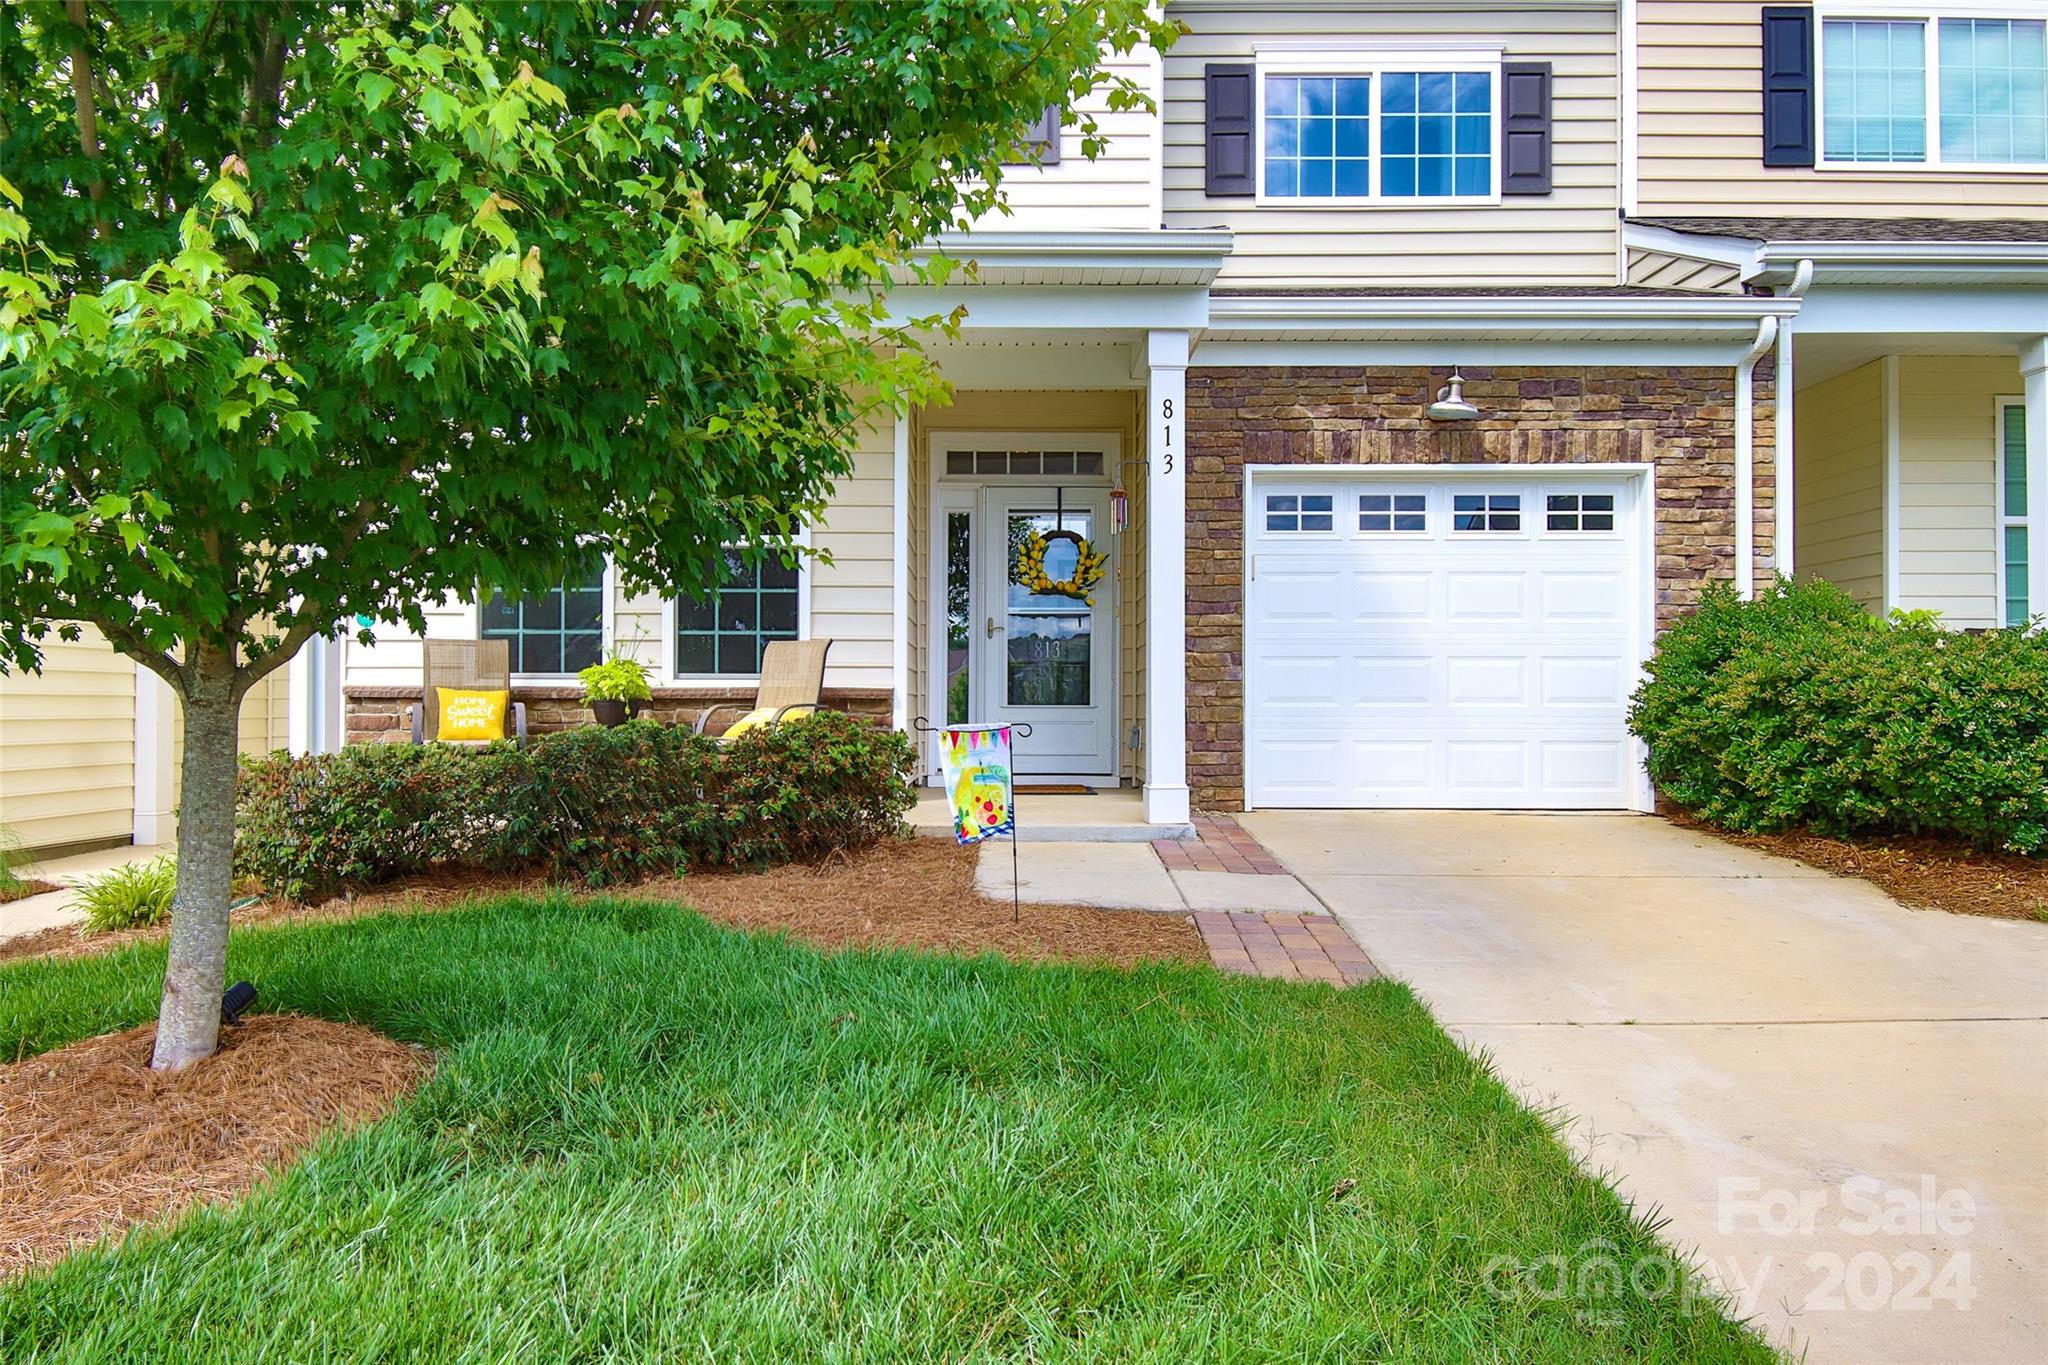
x=1048 y=658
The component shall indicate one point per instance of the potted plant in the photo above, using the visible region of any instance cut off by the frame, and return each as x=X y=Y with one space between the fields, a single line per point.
x=615 y=688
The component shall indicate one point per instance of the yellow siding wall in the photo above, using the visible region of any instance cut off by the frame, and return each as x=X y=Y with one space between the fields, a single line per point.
x=1839 y=483
x=67 y=770
x=1700 y=143
x=1947 y=499
x=1569 y=236
x=1119 y=189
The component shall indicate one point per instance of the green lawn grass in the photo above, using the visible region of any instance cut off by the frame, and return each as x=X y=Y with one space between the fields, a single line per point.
x=650 y=1138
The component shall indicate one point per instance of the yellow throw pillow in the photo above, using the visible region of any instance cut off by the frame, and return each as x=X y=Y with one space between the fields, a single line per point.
x=753 y=720
x=472 y=715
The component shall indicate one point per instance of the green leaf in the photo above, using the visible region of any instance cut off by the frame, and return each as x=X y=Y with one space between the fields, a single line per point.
x=375 y=88
x=230 y=414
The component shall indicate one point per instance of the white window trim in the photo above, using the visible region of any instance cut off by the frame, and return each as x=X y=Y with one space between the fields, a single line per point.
x=670 y=678
x=1375 y=62
x=2006 y=517
x=1928 y=16
x=606 y=639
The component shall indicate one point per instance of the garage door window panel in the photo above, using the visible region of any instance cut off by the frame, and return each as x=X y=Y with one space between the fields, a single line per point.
x=1486 y=513
x=1301 y=513
x=1382 y=514
x=1579 y=513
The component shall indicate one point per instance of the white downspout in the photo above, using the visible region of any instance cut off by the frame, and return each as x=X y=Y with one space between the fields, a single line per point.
x=1783 y=549
x=1745 y=458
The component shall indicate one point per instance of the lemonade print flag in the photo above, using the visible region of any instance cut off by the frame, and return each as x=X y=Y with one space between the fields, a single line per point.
x=976 y=759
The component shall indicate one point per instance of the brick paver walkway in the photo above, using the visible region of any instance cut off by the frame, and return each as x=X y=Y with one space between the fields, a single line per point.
x=1291 y=947
x=1220 y=845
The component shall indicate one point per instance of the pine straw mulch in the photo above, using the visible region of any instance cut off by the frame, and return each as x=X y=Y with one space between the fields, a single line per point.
x=92 y=1142
x=1921 y=872
x=22 y=889
x=909 y=893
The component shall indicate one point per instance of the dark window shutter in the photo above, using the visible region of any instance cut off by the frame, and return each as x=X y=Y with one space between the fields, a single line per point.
x=1228 y=90
x=1788 y=85
x=1525 y=128
x=1041 y=141
x=1044 y=136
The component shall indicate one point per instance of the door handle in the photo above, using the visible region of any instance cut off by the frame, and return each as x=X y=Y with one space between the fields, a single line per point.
x=991 y=628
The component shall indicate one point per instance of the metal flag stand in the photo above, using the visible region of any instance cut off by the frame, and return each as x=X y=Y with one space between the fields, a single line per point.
x=1018 y=730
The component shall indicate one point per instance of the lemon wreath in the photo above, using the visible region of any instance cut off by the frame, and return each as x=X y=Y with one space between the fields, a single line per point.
x=1089 y=566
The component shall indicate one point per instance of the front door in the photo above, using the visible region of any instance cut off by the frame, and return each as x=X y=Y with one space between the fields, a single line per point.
x=1044 y=656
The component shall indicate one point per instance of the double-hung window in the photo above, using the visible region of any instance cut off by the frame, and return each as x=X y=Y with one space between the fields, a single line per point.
x=2013 y=550
x=1933 y=89
x=723 y=633
x=1395 y=127
x=553 y=633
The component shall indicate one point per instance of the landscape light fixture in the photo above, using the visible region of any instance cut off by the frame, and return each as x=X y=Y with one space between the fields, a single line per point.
x=239 y=997
x=1450 y=404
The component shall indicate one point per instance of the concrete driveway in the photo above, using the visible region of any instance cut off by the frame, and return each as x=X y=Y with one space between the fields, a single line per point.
x=1841 y=1105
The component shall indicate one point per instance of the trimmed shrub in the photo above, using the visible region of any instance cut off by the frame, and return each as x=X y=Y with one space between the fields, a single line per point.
x=598 y=805
x=1800 y=709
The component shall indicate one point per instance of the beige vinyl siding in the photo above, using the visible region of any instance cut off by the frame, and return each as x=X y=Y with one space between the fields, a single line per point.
x=1569 y=236
x=67 y=755
x=265 y=722
x=1948 y=502
x=853 y=597
x=1700 y=136
x=1029 y=410
x=1118 y=189
x=395 y=659
x=1839 y=489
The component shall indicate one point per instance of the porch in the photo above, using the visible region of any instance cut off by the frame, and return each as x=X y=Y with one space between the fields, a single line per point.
x=1111 y=815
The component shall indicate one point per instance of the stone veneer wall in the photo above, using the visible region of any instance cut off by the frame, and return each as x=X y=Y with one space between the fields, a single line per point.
x=1682 y=420
x=376 y=715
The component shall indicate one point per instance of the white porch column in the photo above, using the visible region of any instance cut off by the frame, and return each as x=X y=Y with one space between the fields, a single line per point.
x=1783 y=492
x=2034 y=370
x=899 y=579
x=156 y=774
x=313 y=713
x=1166 y=636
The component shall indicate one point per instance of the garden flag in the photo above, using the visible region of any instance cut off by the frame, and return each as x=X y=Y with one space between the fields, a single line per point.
x=976 y=759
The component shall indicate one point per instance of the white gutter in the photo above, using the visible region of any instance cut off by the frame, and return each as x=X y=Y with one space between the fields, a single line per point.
x=1745 y=457
x=1998 y=262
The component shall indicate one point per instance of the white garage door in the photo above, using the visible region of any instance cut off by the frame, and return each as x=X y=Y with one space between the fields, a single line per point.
x=1466 y=642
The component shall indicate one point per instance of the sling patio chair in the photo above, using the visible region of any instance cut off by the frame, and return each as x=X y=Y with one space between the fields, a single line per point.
x=463 y=666
x=792 y=685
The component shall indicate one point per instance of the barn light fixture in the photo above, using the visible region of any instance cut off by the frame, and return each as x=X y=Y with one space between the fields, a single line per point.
x=1450 y=404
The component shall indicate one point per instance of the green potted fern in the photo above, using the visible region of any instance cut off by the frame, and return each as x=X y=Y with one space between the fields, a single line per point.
x=615 y=689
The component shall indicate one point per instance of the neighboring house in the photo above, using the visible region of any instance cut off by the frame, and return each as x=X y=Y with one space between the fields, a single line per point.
x=1232 y=331
x=1886 y=163
x=90 y=748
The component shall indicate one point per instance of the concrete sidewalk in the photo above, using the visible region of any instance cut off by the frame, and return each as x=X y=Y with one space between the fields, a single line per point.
x=34 y=913
x=1841 y=1105
x=1128 y=876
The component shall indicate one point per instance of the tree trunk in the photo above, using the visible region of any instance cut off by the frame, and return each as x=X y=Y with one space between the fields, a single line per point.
x=188 y=1024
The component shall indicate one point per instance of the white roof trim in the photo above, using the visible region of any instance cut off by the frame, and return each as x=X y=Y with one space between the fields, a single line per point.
x=1731 y=251
x=1501 y=317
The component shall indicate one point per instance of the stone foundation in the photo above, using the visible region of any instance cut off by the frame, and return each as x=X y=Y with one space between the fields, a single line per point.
x=1680 y=420
x=376 y=715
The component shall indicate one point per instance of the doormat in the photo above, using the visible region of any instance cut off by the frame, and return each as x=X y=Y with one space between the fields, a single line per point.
x=1054 y=789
